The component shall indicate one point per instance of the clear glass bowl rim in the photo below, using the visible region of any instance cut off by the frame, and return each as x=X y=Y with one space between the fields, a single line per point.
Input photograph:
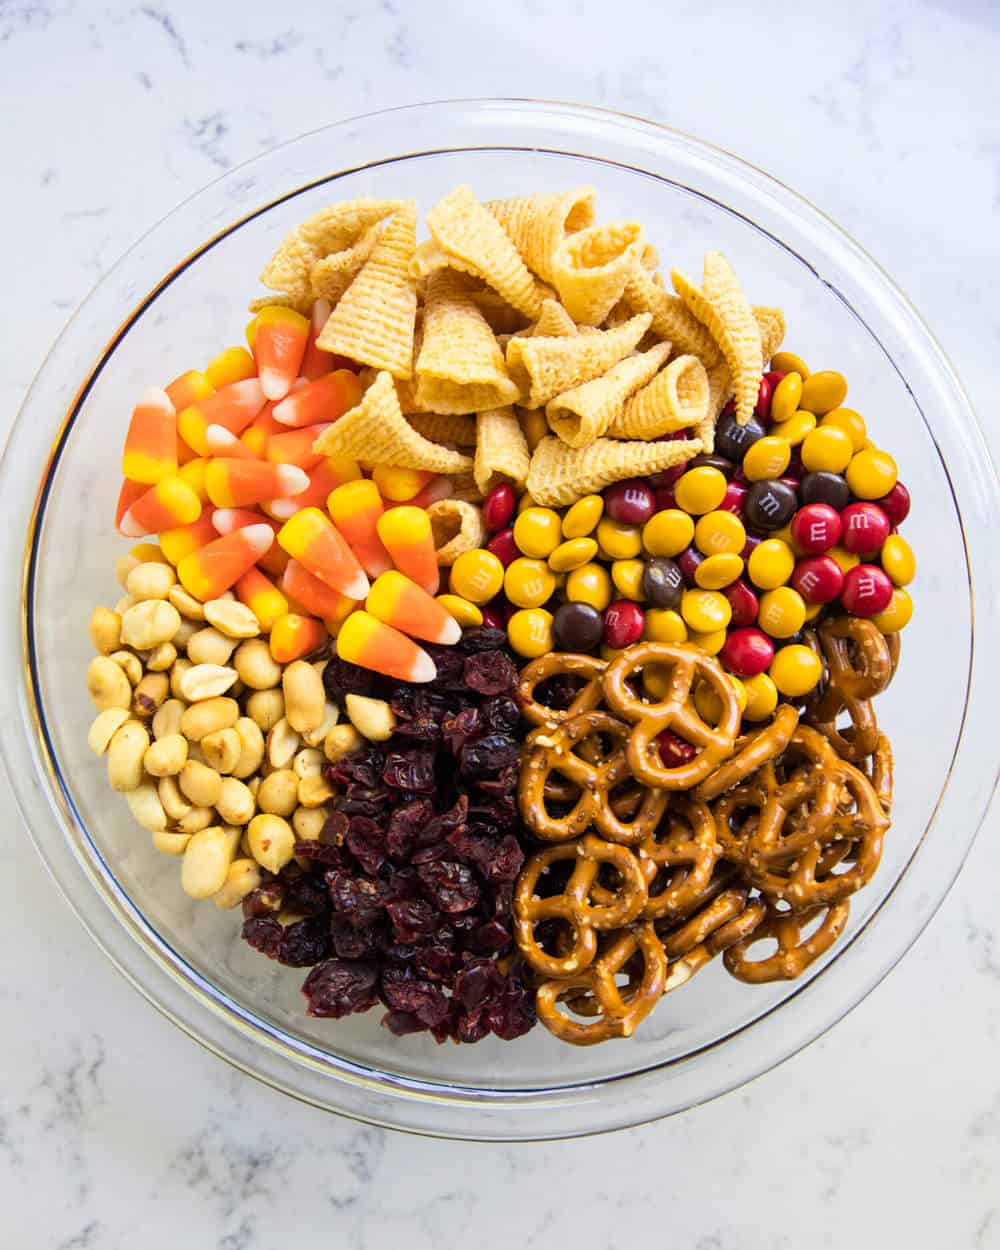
x=110 y=916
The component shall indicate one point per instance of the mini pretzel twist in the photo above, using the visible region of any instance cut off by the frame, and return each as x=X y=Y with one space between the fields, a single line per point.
x=558 y=664
x=674 y=711
x=753 y=750
x=729 y=918
x=678 y=860
x=794 y=954
x=859 y=664
x=582 y=919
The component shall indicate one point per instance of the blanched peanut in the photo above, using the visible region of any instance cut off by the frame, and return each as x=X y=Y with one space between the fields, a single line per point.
x=107 y=685
x=106 y=724
x=105 y=630
x=305 y=699
x=144 y=804
x=242 y=879
x=181 y=666
x=271 y=841
x=161 y=658
x=129 y=663
x=150 y=581
x=171 y=843
x=184 y=634
x=372 y=718
x=278 y=793
x=187 y=605
x=149 y=694
x=282 y=743
x=196 y=819
x=167 y=756
x=307 y=763
x=208 y=646
x=235 y=804
x=314 y=791
x=206 y=861
x=125 y=755
x=233 y=619
x=201 y=784
x=314 y=737
x=167 y=719
x=174 y=803
x=208 y=717
x=147 y=624
x=308 y=821
x=195 y=753
x=253 y=783
x=123 y=566
x=266 y=707
x=342 y=740
x=252 y=743
x=222 y=750
x=206 y=681
x=255 y=666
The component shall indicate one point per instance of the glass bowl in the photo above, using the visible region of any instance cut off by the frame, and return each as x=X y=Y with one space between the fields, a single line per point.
x=177 y=297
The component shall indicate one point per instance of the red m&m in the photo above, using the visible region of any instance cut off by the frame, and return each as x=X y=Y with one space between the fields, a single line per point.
x=816 y=527
x=867 y=590
x=747 y=652
x=499 y=506
x=866 y=527
x=504 y=547
x=632 y=502
x=818 y=579
x=623 y=623
x=743 y=602
x=896 y=505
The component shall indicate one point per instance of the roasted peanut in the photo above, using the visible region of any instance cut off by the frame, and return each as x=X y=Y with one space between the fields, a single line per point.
x=174 y=803
x=161 y=658
x=150 y=581
x=144 y=804
x=235 y=804
x=208 y=646
x=372 y=718
x=272 y=841
x=149 y=695
x=282 y=743
x=187 y=605
x=314 y=737
x=242 y=878
x=167 y=719
x=181 y=666
x=123 y=566
x=278 y=793
x=314 y=791
x=307 y=763
x=208 y=717
x=167 y=756
x=266 y=707
x=206 y=861
x=125 y=755
x=169 y=843
x=305 y=699
x=252 y=743
x=342 y=740
x=107 y=684
x=196 y=819
x=206 y=681
x=105 y=630
x=222 y=749
x=106 y=724
x=308 y=821
x=185 y=631
x=145 y=625
x=255 y=666
x=129 y=663
x=233 y=619
x=201 y=784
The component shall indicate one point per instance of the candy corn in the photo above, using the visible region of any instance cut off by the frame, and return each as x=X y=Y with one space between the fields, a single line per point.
x=194 y=474
x=293 y=636
x=316 y=596
x=296 y=446
x=234 y=483
x=169 y=503
x=310 y=538
x=261 y=596
x=330 y=473
x=406 y=533
x=225 y=520
x=316 y=362
x=232 y=364
x=439 y=487
x=150 y=451
x=356 y=508
x=235 y=406
x=396 y=600
x=400 y=485
x=190 y=388
x=129 y=493
x=370 y=643
x=146 y=552
x=211 y=570
x=326 y=399
x=279 y=345
x=257 y=433
x=221 y=443
x=183 y=539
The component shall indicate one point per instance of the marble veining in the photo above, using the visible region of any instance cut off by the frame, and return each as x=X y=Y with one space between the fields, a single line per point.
x=117 y=1131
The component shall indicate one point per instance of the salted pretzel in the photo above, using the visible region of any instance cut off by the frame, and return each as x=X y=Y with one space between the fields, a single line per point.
x=753 y=750
x=558 y=664
x=675 y=711
x=878 y=768
x=555 y=751
x=794 y=955
x=678 y=860
x=859 y=665
x=731 y=917
x=581 y=919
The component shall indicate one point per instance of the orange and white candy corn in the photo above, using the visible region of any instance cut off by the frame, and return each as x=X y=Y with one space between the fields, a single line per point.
x=370 y=643
x=234 y=406
x=190 y=388
x=326 y=399
x=259 y=430
x=293 y=636
x=150 y=451
x=226 y=520
x=129 y=493
x=233 y=483
x=180 y=541
x=210 y=571
x=171 y=502
x=316 y=362
x=279 y=344
x=295 y=446
x=220 y=442
x=438 y=488
x=314 y=541
x=194 y=474
x=315 y=596
x=400 y=485
x=396 y=600
x=356 y=508
x=406 y=534
x=331 y=472
x=261 y=596
x=232 y=364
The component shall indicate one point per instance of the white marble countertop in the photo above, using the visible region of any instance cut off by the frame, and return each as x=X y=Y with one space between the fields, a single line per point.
x=117 y=1131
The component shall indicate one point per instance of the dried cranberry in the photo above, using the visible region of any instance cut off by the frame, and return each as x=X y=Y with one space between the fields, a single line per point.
x=402 y=991
x=412 y=919
x=458 y=729
x=451 y=886
x=402 y=1022
x=304 y=943
x=491 y=754
x=512 y=1014
x=266 y=900
x=500 y=715
x=489 y=938
x=355 y=899
x=341 y=677
x=352 y=943
x=367 y=843
x=478 y=981
x=405 y=824
x=263 y=936
x=306 y=897
x=410 y=770
x=483 y=639
x=318 y=852
x=421 y=729
x=507 y=860
x=435 y=961
x=490 y=672
x=504 y=784
x=339 y=987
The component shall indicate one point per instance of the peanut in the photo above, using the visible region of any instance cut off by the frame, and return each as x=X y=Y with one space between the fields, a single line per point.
x=272 y=841
x=307 y=763
x=235 y=804
x=282 y=743
x=255 y=666
x=235 y=620
x=206 y=861
x=162 y=657
x=372 y=718
x=107 y=684
x=181 y=666
x=105 y=630
x=123 y=566
x=222 y=749
x=144 y=804
x=342 y=740
x=149 y=694
x=201 y=784
x=187 y=605
x=208 y=717
x=266 y=707
x=125 y=755
x=171 y=843
x=174 y=803
x=305 y=699
x=106 y=724
x=278 y=793
x=129 y=663
x=150 y=581
x=208 y=646
x=242 y=878
x=252 y=743
x=308 y=821
x=123 y=604
x=206 y=681
x=314 y=737
x=167 y=756
x=314 y=791
x=167 y=719
x=195 y=820
x=145 y=625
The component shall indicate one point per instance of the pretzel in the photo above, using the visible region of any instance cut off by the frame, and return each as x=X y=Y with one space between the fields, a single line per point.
x=583 y=919
x=793 y=955
x=878 y=768
x=615 y=1010
x=753 y=750
x=859 y=665
x=729 y=918
x=558 y=663
x=678 y=859
x=675 y=712
x=549 y=752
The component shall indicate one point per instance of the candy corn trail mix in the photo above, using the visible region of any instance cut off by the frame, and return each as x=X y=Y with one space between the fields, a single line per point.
x=506 y=622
